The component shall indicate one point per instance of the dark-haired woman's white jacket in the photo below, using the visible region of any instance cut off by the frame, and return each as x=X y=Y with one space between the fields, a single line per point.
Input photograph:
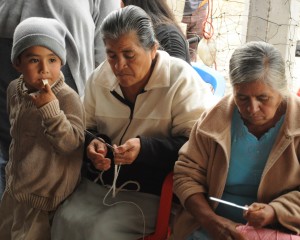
x=163 y=115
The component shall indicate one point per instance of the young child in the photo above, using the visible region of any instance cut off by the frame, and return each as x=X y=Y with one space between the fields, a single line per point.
x=47 y=128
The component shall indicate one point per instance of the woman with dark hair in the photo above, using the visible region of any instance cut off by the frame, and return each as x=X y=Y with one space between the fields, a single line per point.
x=168 y=32
x=142 y=102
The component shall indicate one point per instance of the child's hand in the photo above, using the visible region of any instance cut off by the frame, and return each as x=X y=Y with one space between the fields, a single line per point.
x=259 y=215
x=44 y=96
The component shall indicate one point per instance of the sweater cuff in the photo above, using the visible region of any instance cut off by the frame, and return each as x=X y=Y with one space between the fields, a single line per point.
x=50 y=109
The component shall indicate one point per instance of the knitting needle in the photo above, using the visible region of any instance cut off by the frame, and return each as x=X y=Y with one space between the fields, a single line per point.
x=228 y=203
x=100 y=139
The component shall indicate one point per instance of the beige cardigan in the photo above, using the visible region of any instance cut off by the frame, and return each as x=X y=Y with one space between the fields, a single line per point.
x=47 y=146
x=203 y=166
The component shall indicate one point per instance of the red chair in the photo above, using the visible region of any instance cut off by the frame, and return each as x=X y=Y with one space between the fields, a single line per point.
x=162 y=229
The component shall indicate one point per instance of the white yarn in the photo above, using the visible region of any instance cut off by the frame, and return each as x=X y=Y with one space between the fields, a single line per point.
x=116 y=190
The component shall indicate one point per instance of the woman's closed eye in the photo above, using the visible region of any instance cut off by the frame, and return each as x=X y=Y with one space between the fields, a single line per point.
x=263 y=98
x=129 y=55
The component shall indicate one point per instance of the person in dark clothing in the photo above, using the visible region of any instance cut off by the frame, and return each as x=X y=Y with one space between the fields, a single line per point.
x=194 y=15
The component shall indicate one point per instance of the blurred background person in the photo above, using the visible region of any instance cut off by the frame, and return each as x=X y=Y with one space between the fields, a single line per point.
x=194 y=14
x=168 y=32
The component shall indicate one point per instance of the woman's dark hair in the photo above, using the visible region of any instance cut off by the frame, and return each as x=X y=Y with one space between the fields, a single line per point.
x=158 y=10
x=126 y=20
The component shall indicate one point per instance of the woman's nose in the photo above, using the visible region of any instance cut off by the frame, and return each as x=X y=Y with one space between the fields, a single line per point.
x=253 y=106
x=120 y=64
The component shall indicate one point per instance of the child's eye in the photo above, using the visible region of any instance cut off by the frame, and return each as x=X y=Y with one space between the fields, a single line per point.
x=33 y=60
x=53 y=60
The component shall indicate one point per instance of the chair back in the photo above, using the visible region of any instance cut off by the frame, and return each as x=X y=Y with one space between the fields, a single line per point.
x=212 y=77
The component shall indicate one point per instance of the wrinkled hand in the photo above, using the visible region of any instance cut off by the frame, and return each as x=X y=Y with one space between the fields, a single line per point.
x=44 y=96
x=224 y=229
x=259 y=215
x=96 y=152
x=127 y=152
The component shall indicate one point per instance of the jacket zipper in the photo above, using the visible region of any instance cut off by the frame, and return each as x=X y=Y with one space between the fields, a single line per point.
x=131 y=107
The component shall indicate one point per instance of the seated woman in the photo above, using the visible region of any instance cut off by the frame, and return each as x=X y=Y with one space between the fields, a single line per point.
x=244 y=150
x=168 y=32
x=144 y=103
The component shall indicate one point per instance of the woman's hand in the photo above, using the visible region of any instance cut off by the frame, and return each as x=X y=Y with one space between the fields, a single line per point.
x=222 y=228
x=216 y=226
x=127 y=152
x=259 y=215
x=96 y=152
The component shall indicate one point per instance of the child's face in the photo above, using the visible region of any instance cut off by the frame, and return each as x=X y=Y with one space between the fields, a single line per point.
x=37 y=63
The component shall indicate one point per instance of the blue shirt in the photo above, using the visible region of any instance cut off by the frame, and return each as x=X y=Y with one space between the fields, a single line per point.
x=247 y=161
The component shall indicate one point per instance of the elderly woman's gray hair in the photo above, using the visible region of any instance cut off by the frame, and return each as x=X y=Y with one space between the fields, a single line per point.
x=126 y=20
x=258 y=61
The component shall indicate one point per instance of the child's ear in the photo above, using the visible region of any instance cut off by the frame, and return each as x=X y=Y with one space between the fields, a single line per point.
x=17 y=65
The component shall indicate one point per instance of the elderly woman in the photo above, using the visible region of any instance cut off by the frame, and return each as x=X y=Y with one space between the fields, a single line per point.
x=144 y=103
x=244 y=150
